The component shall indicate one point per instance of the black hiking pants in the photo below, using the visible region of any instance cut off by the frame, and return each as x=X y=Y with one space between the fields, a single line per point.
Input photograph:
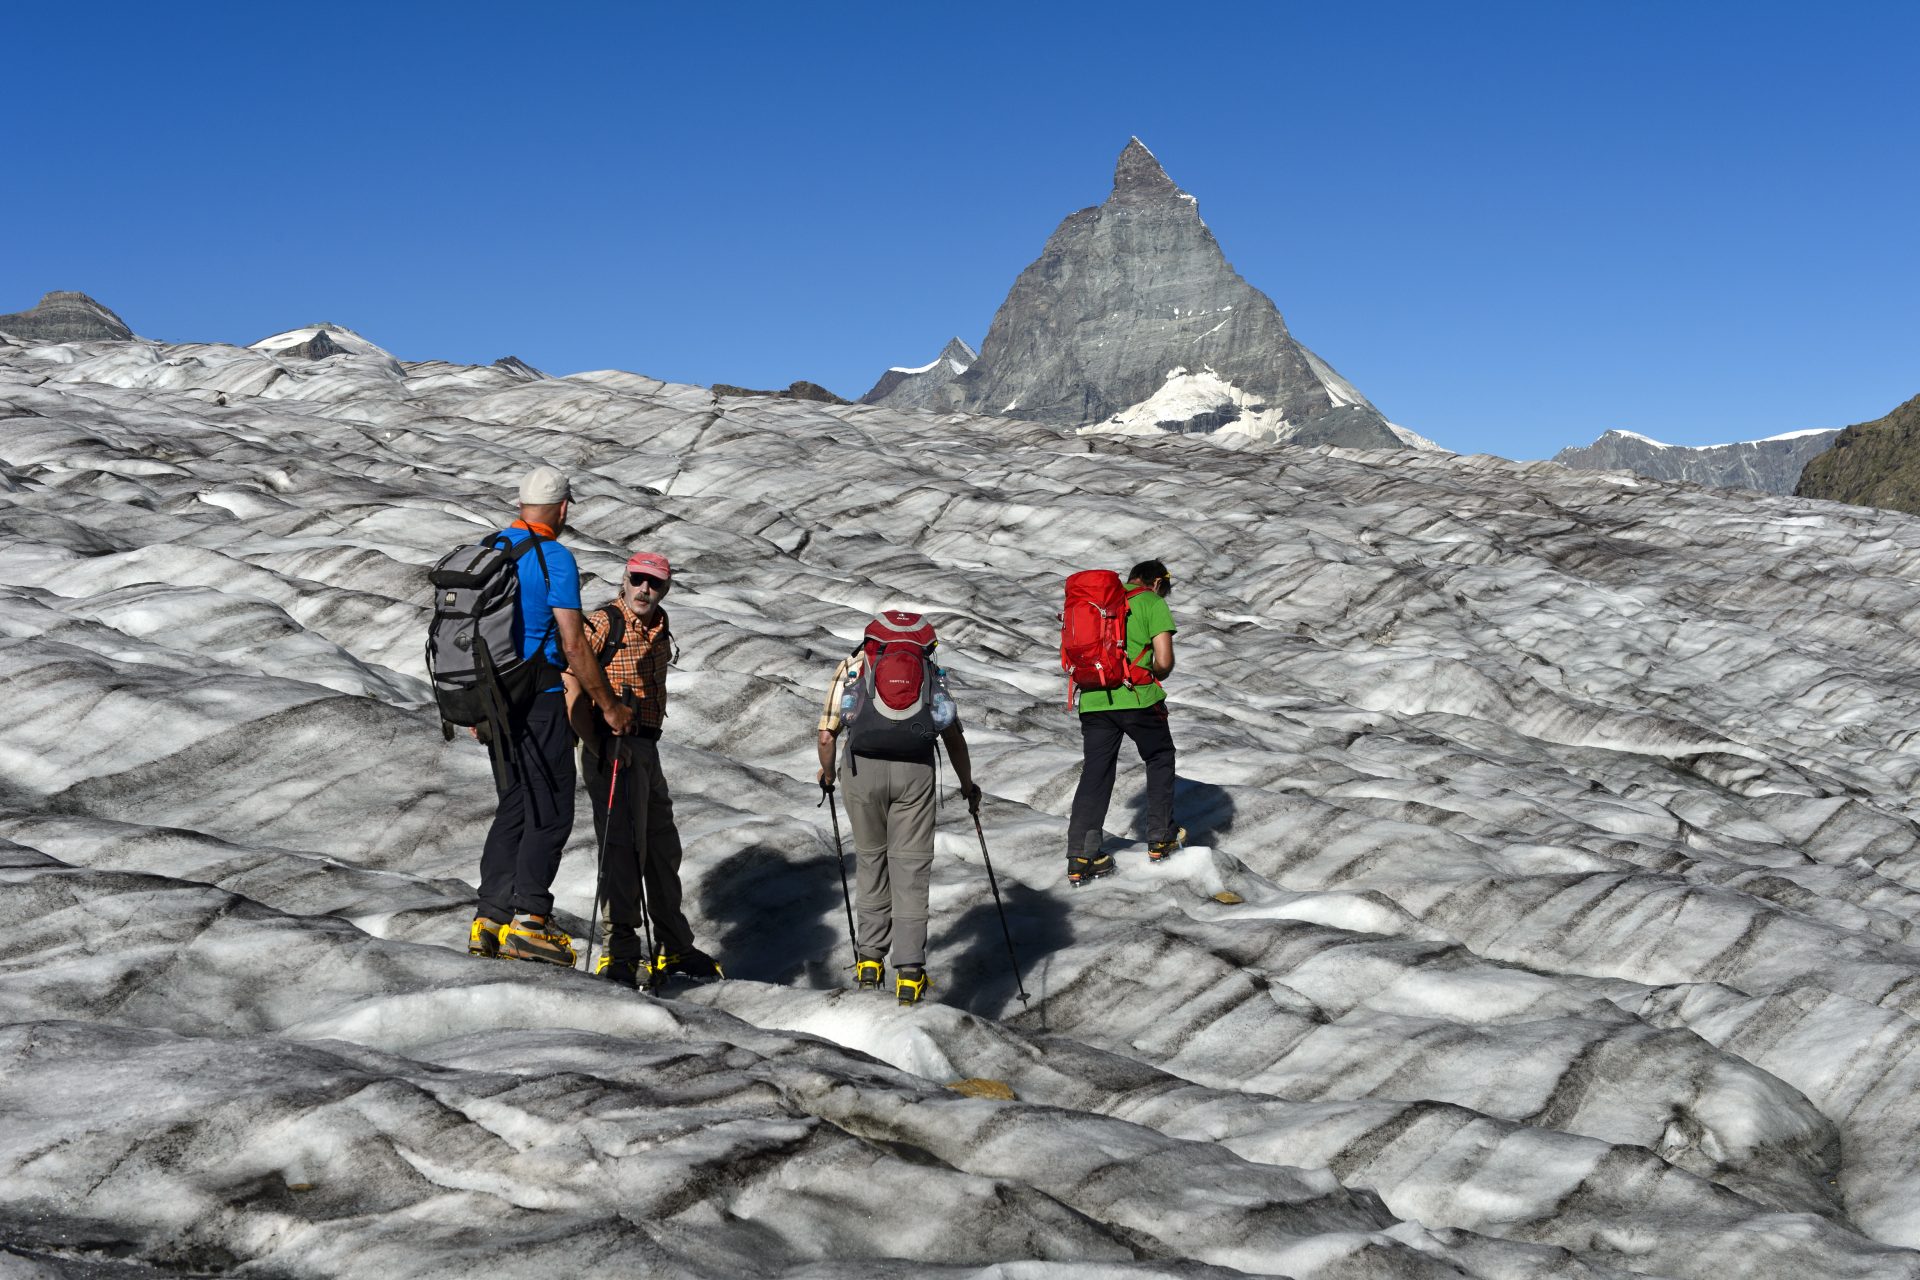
x=1100 y=735
x=642 y=843
x=535 y=816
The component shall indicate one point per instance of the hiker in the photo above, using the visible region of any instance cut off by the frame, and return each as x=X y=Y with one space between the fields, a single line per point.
x=1135 y=709
x=513 y=917
x=893 y=704
x=639 y=875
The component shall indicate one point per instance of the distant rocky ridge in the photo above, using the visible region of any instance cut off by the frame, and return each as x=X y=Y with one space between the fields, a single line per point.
x=520 y=369
x=924 y=387
x=1132 y=320
x=1871 y=464
x=66 y=317
x=801 y=390
x=1772 y=465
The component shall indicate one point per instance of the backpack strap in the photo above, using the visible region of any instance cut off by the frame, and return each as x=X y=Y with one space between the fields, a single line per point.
x=616 y=631
x=1136 y=660
x=532 y=543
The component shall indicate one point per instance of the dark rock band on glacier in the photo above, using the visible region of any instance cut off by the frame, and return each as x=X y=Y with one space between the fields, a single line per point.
x=516 y=660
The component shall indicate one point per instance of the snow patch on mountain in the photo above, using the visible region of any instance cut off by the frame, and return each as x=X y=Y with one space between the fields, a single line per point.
x=337 y=335
x=1414 y=440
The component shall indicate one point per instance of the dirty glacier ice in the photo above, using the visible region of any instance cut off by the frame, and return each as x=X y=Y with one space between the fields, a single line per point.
x=1570 y=819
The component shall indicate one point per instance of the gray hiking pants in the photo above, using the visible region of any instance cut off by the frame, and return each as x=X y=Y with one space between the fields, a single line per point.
x=890 y=807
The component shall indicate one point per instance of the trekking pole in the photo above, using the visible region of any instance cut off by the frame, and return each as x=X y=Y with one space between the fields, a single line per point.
x=600 y=863
x=840 y=861
x=1018 y=985
x=654 y=976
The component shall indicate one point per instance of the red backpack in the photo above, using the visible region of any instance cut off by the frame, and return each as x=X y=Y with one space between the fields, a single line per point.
x=893 y=716
x=1093 y=635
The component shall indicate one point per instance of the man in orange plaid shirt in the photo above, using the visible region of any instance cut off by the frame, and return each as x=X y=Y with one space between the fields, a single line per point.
x=642 y=844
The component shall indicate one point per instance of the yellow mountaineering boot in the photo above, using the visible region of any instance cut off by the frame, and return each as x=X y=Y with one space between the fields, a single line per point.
x=535 y=938
x=1161 y=850
x=687 y=962
x=483 y=939
x=869 y=974
x=911 y=984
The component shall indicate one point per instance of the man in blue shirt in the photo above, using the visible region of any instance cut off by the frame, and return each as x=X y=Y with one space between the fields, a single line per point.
x=514 y=915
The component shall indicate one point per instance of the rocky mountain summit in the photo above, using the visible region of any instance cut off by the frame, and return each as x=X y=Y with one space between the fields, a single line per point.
x=1771 y=465
x=1872 y=464
x=1132 y=320
x=66 y=317
x=924 y=387
x=800 y=390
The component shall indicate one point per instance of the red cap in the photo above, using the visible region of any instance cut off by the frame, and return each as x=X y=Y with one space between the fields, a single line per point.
x=652 y=564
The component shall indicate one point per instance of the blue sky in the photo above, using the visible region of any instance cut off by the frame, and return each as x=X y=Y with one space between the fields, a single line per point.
x=1513 y=226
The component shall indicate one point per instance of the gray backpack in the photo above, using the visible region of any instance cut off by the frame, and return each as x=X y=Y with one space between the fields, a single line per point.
x=479 y=678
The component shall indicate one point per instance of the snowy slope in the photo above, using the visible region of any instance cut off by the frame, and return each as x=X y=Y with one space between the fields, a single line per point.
x=1565 y=828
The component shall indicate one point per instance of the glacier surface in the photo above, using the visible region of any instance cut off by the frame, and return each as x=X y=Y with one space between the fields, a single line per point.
x=1551 y=910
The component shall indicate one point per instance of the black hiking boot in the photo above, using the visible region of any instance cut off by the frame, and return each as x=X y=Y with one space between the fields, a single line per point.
x=1086 y=870
x=868 y=975
x=536 y=938
x=911 y=984
x=624 y=972
x=688 y=962
x=483 y=938
x=1161 y=850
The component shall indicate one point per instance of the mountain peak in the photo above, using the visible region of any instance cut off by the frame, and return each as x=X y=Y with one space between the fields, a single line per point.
x=65 y=316
x=1138 y=174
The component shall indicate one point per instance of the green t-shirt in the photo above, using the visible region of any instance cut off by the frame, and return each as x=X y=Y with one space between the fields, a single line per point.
x=1147 y=617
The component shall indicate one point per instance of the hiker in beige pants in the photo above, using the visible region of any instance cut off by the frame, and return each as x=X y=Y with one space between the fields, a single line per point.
x=892 y=698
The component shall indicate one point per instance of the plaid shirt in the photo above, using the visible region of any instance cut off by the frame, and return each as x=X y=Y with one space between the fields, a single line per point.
x=639 y=666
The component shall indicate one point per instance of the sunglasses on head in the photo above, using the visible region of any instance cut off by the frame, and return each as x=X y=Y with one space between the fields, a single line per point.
x=647 y=580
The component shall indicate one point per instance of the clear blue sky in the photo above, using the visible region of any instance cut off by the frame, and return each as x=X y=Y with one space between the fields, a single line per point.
x=1513 y=226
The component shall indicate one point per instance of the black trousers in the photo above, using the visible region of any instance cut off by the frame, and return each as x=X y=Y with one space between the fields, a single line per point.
x=1100 y=735
x=535 y=815
x=641 y=841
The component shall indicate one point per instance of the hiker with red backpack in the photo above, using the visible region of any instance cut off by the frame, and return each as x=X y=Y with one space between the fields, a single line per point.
x=893 y=705
x=639 y=877
x=506 y=624
x=1116 y=645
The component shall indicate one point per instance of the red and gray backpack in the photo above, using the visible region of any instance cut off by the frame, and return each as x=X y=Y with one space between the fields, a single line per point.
x=1093 y=635
x=892 y=716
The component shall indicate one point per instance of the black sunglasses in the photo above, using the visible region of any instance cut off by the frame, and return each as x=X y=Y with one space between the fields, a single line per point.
x=647 y=580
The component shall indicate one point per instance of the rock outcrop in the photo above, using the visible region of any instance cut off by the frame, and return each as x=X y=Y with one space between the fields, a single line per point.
x=67 y=317
x=1871 y=464
x=923 y=387
x=802 y=390
x=1132 y=320
x=1772 y=465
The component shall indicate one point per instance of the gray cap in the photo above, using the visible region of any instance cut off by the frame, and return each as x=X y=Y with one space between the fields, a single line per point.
x=543 y=487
